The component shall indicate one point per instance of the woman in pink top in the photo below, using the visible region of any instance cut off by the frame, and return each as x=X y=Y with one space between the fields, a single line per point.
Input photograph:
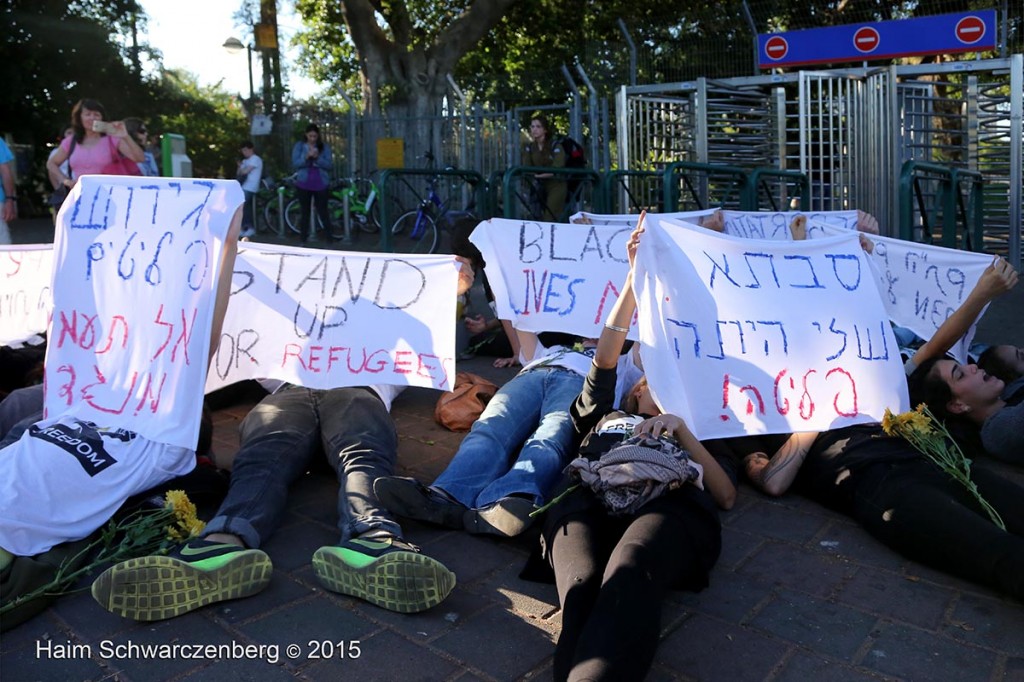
x=91 y=151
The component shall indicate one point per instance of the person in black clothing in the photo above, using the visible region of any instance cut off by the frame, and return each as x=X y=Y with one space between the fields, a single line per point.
x=612 y=571
x=897 y=495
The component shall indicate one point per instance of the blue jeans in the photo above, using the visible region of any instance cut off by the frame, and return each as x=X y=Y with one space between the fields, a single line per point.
x=280 y=437
x=532 y=410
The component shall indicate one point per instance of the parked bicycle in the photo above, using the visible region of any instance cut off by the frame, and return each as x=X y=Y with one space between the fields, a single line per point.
x=363 y=208
x=267 y=203
x=417 y=231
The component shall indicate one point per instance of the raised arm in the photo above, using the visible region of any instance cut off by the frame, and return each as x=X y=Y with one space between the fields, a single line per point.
x=224 y=274
x=616 y=326
x=998 y=278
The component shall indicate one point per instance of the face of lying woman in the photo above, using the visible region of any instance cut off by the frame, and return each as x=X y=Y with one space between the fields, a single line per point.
x=1012 y=357
x=971 y=387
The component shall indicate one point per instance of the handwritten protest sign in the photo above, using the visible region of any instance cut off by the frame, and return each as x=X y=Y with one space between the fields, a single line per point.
x=775 y=224
x=325 y=319
x=135 y=273
x=630 y=219
x=552 y=276
x=25 y=299
x=921 y=285
x=743 y=336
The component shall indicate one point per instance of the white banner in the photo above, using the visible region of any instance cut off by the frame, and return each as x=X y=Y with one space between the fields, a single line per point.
x=25 y=298
x=774 y=225
x=743 y=336
x=134 y=277
x=631 y=218
x=921 y=285
x=549 y=277
x=325 y=319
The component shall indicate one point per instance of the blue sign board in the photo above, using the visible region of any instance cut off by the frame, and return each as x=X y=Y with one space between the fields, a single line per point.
x=939 y=34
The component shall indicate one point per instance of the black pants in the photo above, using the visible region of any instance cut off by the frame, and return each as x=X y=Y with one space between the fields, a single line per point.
x=319 y=199
x=919 y=511
x=612 y=573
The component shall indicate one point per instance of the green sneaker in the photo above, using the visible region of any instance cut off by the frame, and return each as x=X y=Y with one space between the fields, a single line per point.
x=386 y=572
x=198 y=573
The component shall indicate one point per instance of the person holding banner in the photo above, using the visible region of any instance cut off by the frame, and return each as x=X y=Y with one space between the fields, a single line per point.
x=613 y=569
x=63 y=477
x=280 y=438
x=479 y=490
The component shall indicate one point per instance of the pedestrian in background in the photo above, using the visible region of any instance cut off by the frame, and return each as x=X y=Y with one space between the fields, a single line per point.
x=250 y=173
x=313 y=163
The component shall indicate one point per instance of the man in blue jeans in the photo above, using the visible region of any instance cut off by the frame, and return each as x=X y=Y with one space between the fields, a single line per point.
x=479 y=491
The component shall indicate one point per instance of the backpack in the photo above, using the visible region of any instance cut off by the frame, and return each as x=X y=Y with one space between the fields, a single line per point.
x=575 y=157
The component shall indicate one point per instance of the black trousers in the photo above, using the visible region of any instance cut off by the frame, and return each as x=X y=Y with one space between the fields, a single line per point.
x=612 y=573
x=922 y=513
x=319 y=200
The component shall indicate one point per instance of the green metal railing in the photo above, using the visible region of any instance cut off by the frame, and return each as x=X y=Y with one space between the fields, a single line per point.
x=622 y=184
x=729 y=184
x=954 y=206
x=587 y=176
x=759 y=179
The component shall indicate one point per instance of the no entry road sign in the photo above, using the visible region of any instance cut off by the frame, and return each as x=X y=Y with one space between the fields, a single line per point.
x=940 y=34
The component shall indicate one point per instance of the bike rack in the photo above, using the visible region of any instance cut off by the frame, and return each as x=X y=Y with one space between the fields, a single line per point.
x=474 y=179
x=513 y=174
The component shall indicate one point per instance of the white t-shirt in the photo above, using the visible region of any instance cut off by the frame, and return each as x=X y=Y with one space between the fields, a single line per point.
x=65 y=478
x=254 y=167
x=579 y=361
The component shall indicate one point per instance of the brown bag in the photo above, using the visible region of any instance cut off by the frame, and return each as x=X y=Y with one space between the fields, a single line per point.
x=457 y=409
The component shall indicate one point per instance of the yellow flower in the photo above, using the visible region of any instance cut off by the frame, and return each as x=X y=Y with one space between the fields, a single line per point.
x=186 y=525
x=913 y=423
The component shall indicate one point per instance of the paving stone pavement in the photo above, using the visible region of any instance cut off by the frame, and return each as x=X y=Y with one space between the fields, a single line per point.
x=799 y=593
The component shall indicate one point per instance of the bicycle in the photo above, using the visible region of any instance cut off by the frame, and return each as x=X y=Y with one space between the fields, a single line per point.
x=267 y=203
x=363 y=208
x=416 y=231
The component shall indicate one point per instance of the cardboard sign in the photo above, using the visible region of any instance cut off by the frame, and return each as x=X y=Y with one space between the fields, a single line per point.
x=742 y=336
x=134 y=277
x=325 y=319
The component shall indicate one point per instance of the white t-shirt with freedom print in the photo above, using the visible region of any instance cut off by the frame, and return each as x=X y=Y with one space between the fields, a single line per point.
x=65 y=478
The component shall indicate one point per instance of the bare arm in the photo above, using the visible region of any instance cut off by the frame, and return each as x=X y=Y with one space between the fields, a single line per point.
x=774 y=476
x=528 y=343
x=998 y=278
x=613 y=335
x=57 y=177
x=227 y=268
x=513 y=340
x=127 y=145
x=10 y=208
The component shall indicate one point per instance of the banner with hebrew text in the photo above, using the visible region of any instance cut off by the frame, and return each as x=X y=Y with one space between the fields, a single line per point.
x=775 y=224
x=921 y=284
x=325 y=319
x=26 y=271
x=135 y=263
x=759 y=336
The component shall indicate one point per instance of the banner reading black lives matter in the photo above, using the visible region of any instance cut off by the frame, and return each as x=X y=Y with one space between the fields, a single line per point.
x=746 y=336
x=135 y=264
x=325 y=319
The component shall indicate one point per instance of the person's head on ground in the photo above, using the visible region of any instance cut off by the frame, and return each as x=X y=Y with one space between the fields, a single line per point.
x=640 y=401
x=462 y=228
x=85 y=112
x=540 y=129
x=1003 y=361
x=955 y=392
x=247 y=149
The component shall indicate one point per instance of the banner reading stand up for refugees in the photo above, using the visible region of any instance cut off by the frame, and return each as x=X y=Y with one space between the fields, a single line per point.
x=325 y=319
x=748 y=336
x=134 y=277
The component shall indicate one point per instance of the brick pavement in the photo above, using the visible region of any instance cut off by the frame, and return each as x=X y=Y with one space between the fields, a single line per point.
x=800 y=593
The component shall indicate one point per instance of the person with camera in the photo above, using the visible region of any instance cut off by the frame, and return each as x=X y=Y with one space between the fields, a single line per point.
x=97 y=147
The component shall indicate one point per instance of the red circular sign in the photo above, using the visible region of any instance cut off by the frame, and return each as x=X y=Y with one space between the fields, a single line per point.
x=866 y=39
x=775 y=48
x=970 y=30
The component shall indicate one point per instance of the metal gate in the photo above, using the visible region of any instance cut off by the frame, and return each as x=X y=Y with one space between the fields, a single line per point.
x=849 y=130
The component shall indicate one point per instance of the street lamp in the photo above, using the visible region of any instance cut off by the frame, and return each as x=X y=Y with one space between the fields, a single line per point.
x=234 y=46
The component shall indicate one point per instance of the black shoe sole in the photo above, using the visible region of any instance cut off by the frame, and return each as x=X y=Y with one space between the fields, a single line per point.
x=408 y=498
x=507 y=517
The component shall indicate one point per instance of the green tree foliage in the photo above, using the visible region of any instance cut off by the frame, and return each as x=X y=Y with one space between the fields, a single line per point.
x=57 y=52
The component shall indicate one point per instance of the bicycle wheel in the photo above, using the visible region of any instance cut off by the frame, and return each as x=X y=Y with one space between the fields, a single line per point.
x=414 y=232
x=293 y=217
x=366 y=193
x=270 y=216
